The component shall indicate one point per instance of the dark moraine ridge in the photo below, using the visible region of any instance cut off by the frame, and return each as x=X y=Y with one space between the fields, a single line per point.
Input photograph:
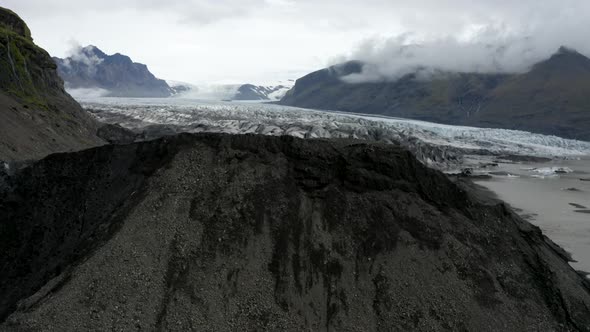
x=219 y=232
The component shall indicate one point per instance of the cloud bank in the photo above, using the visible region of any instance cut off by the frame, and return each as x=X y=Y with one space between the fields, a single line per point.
x=86 y=56
x=261 y=41
x=511 y=38
x=87 y=93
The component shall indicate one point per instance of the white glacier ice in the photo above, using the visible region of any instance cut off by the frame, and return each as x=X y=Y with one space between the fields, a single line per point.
x=440 y=146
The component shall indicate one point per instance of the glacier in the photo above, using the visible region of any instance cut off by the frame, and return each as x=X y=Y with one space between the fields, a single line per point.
x=435 y=144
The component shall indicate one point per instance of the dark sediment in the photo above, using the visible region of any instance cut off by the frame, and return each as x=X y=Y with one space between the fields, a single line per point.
x=115 y=134
x=218 y=232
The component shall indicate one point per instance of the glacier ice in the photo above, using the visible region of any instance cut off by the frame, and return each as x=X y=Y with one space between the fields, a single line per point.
x=432 y=143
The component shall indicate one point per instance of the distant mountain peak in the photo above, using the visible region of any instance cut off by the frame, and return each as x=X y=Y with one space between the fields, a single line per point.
x=88 y=51
x=91 y=48
x=566 y=61
x=117 y=74
x=569 y=53
x=566 y=50
x=232 y=92
x=261 y=92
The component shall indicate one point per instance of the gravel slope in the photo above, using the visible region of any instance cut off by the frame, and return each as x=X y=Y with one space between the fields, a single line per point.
x=225 y=232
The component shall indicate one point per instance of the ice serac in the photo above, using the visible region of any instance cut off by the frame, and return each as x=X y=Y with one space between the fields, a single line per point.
x=37 y=117
x=225 y=232
x=116 y=75
x=552 y=98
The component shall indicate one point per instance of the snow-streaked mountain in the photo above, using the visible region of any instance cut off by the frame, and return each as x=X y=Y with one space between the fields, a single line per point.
x=217 y=92
x=260 y=92
x=438 y=145
x=226 y=92
x=178 y=88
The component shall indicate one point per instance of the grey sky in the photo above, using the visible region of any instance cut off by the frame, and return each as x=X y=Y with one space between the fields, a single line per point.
x=235 y=41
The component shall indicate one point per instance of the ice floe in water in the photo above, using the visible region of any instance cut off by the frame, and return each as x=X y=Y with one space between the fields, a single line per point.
x=552 y=170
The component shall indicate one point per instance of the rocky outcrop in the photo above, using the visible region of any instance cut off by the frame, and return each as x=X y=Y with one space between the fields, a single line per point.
x=10 y=21
x=37 y=116
x=117 y=75
x=549 y=99
x=115 y=134
x=222 y=232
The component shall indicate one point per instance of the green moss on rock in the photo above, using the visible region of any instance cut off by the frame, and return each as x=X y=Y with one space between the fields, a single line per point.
x=23 y=65
x=11 y=21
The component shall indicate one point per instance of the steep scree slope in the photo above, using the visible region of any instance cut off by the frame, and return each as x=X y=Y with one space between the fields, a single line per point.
x=220 y=232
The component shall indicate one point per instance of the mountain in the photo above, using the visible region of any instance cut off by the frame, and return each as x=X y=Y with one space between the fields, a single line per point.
x=180 y=88
x=231 y=92
x=215 y=92
x=117 y=75
x=37 y=116
x=224 y=232
x=258 y=92
x=552 y=98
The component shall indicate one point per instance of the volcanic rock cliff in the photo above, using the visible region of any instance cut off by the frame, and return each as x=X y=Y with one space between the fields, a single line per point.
x=220 y=232
x=37 y=116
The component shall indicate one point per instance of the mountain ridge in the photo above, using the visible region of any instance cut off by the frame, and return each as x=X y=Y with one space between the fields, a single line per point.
x=231 y=92
x=91 y=68
x=254 y=92
x=551 y=98
x=270 y=233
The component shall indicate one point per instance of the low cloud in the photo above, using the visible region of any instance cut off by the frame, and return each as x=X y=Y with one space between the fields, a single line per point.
x=87 y=93
x=185 y=11
x=83 y=55
x=511 y=38
x=394 y=58
x=217 y=41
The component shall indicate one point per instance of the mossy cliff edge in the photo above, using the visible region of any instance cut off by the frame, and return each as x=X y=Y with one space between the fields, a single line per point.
x=37 y=116
x=26 y=70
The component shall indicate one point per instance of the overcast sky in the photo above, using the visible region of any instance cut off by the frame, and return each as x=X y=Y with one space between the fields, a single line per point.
x=259 y=41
